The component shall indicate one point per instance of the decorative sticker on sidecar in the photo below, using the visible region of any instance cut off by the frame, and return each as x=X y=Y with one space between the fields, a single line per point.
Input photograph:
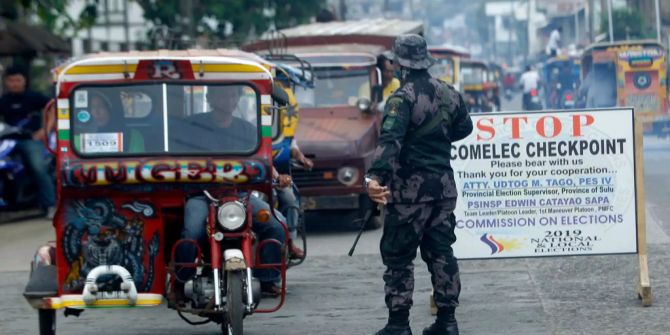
x=138 y=207
x=81 y=99
x=102 y=173
x=96 y=233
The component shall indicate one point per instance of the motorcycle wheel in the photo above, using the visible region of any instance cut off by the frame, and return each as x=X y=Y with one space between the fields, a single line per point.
x=47 y=320
x=235 y=304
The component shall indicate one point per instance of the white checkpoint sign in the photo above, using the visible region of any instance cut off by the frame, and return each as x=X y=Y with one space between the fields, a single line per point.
x=546 y=184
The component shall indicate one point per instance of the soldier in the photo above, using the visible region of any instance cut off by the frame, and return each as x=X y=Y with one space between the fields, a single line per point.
x=412 y=176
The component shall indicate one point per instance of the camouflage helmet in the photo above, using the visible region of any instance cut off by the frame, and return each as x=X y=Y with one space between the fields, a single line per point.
x=411 y=51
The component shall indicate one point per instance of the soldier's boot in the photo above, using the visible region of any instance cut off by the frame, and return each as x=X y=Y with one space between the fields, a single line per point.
x=395 y=330
x=444 y=325
x=398 y=324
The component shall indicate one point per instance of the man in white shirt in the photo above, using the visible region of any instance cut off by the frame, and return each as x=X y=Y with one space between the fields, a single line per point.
x=529 y=81
x=554 y=43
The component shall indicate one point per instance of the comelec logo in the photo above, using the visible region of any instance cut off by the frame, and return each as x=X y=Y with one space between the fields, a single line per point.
x=505 y=243
x=496 y=247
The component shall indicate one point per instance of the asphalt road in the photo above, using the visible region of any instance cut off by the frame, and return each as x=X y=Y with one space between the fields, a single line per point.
x=335 y=294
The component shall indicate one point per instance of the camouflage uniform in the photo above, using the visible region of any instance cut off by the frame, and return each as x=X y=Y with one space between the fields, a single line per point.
x=413 y=160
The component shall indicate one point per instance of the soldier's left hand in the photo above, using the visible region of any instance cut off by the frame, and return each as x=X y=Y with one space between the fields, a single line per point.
x=379 y=194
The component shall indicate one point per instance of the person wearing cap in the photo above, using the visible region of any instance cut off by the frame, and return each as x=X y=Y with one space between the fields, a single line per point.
x=412 y=177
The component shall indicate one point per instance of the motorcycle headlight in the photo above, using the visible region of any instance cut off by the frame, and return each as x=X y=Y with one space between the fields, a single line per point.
x=347 y=175
x=232 y=215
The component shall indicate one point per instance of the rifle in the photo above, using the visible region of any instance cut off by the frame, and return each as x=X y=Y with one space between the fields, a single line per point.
x=366 y=220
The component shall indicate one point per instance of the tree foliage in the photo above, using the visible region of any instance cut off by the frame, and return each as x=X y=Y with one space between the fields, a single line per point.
x=227 y=20
x=52 y=14
x=628 y=23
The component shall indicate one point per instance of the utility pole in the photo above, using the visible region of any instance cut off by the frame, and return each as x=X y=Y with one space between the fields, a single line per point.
x=188 y=24
x=126 y=26
x=531 y=28
x=592 y=20
x=611 y=24
x=577 y=26
x=658 y=21
x=108 y=28
x=343 y=10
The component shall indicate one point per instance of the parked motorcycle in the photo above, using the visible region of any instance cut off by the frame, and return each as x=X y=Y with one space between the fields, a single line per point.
x=17 y=189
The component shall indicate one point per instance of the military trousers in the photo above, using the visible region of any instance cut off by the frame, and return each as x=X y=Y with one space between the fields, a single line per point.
x=430 y=226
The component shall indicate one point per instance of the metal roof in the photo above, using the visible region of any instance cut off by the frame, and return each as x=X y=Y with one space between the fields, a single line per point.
x=379 y=27
x=449 y=50
x=336 y=48
x=474 y=62
x=232 y=53
x=605 y=45
x=345 y=59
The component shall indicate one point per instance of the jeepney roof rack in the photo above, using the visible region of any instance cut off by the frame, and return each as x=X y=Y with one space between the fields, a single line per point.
x=301 y=74
x=606 y=45
x=277 y=48
x=277 y=42
x=163 y=37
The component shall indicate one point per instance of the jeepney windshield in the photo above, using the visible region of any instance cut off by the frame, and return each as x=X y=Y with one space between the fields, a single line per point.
x=473 y=75
x=443 y=69
x=335 y=87
x=161 y=118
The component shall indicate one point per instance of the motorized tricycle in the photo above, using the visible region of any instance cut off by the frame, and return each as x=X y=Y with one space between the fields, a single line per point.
x=479 y=86
x=448 y=65
x=139 y=136
x=561 y=76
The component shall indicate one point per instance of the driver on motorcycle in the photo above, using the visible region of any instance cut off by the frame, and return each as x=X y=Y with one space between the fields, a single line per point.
x=21 y=107
x=195 y=228
x=230 y=135
x=529 y=82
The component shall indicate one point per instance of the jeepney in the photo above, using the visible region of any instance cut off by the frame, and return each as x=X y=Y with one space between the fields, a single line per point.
x=480 y=90
x=448 y=65
x=638 y=71
x=339 y=124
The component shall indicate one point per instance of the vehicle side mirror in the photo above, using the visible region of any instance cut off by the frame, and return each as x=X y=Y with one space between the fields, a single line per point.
x=279 y=95
x=377 y=93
